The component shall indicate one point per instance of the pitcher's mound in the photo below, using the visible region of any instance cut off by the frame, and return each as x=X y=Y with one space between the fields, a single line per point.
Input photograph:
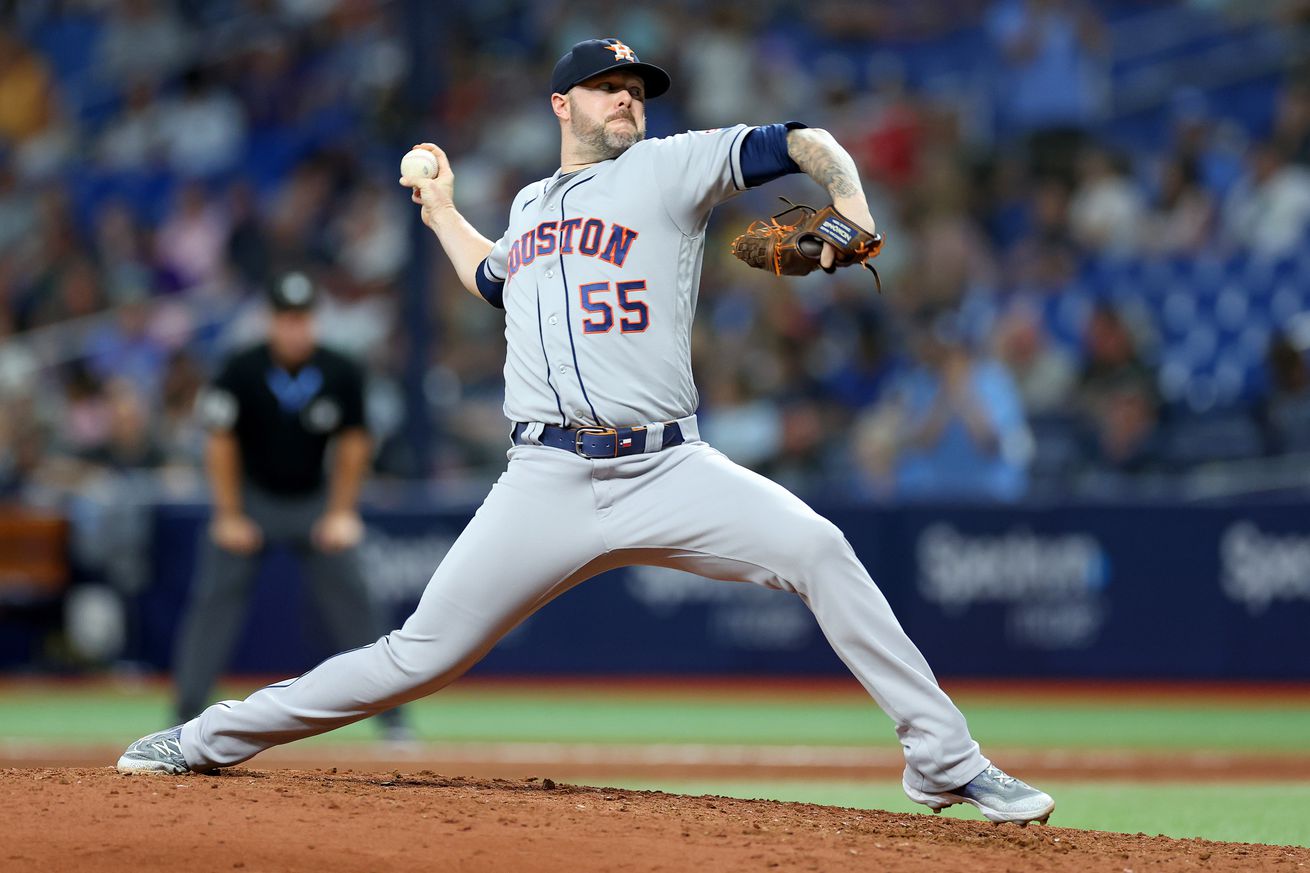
x=321 y=821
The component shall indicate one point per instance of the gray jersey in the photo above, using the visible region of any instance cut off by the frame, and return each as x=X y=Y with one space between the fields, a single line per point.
x=601 y=270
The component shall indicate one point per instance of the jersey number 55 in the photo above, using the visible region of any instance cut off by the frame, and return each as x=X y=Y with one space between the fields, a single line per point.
x=636 y=316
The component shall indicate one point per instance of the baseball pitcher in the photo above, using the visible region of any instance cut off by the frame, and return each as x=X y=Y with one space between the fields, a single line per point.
x=598 y=273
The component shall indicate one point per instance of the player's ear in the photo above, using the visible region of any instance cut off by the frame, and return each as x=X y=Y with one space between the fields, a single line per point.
x=559 y=103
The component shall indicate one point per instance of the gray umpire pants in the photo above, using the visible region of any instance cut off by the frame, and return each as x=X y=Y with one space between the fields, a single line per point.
x=220 y=597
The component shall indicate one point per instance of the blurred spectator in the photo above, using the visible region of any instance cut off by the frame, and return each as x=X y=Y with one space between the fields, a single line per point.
x=132 y=139
x=23 y=451
x=130 y=442
x=247 y=249
x=719 y=65
x=18 y=365
x=874 y=442
x=18 y=211
x=142 y=40
x=122 y=248
x=1045 y=258
x=1292 y=123
x=27 y=96
x=1049 y=50
x=368 y=236
x=1215 y=146
x=747 y=429
x=1268 y=210
x=1052 y=86
x=181 y=436
x=867 y=362
x=1285 y=411
x=365 y=59
x=963 y=433
x=85 y=424
x=123 y=347
x=950 y=253
x=356 y=317
x=1001 y=200
x=294 y=226
x=1107 y=210
x=1128 y=429
x=192 y=239
x=803 y=455
x=1117 y=393
x=1043 y=373
x=805 y=446
x=266 y=81
x=1183 y=218
x=202 y=132
x=73 y=290
x=885 y=128
x=1111 y=357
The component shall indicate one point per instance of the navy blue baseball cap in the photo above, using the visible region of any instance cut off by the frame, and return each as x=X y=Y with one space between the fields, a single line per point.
x=591 y=57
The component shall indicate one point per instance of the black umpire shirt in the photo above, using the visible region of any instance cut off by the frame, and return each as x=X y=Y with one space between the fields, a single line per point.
x=283 y=420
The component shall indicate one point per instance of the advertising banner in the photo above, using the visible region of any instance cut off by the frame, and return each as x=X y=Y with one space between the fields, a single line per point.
x=1089 y=591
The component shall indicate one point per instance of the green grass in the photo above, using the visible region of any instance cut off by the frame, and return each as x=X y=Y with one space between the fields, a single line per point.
x=1275 y=813
x=1243 y=726
x=600 y=716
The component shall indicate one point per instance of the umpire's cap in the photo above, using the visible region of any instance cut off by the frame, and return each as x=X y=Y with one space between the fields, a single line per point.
x=291 y=292
x=591 y=57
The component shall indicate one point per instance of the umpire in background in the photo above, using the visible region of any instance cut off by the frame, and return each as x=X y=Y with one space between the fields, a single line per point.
x=271 y=414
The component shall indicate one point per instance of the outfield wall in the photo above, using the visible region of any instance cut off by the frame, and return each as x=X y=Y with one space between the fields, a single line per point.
x=1105 y=591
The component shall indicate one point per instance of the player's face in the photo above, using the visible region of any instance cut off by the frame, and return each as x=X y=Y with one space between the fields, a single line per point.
x=291 y=336
x=608 y=113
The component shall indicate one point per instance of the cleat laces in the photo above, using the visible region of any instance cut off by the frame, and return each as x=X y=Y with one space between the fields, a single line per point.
x=1000 y=776
x=166 y=747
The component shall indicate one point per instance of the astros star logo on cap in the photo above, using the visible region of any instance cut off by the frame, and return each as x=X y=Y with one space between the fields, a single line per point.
x=621 y=51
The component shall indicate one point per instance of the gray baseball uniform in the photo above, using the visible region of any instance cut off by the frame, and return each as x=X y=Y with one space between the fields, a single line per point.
x=598 y=274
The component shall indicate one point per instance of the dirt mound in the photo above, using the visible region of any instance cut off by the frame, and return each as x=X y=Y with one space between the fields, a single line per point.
x=325 y=821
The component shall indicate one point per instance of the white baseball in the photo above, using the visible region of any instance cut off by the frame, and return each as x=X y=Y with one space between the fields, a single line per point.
x=418 y=164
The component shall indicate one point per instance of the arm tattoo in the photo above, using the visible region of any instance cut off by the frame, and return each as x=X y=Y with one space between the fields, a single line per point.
x=824 y=160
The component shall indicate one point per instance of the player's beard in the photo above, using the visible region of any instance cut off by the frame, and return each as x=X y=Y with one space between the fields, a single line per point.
x=601 y=142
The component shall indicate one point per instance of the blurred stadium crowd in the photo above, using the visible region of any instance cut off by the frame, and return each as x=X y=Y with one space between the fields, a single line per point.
x=1097 y=271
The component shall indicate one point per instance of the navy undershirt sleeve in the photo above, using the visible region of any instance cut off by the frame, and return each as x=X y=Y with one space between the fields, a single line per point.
x=494 y=292
x=764 y=154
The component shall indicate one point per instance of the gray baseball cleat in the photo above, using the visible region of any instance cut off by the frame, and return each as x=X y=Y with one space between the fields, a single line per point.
x=998 y=795
x=159 y=752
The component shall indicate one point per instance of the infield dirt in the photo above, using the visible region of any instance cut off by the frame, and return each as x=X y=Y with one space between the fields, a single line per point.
x=54 y=819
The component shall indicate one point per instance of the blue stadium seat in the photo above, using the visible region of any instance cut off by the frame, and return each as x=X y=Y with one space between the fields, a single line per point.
x=1174 y=376
x=1178 y=314
x=1289 y=299
x=1231 y=308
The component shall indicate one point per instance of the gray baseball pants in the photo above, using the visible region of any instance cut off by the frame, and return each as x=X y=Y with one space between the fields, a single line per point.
x=555 y=519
